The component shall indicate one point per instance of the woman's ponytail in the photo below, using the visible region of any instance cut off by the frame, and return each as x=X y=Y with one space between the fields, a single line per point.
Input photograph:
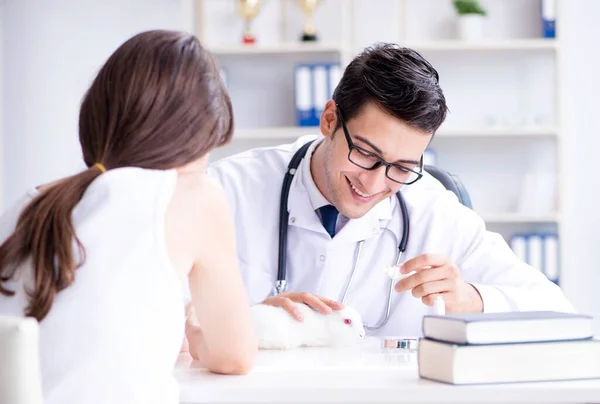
x=45 y=234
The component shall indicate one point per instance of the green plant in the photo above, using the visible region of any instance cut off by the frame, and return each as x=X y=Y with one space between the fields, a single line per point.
x=464 y=7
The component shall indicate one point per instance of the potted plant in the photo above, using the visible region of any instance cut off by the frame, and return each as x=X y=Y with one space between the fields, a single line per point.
x=471 y=16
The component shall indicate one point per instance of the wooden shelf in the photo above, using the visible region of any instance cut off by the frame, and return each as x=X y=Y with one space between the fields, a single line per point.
x=293 y=132
x=491 y=45
x=277 y=49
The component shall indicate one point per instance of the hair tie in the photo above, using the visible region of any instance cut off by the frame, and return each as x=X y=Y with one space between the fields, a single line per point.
x=100 y=167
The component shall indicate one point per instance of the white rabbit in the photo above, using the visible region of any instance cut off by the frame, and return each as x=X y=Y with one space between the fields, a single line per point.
x=277 y=329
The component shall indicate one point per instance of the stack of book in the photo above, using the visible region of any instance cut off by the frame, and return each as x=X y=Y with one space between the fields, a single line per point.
x=508 y=347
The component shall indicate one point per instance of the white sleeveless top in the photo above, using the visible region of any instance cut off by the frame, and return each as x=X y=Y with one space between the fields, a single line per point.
x=114 y=335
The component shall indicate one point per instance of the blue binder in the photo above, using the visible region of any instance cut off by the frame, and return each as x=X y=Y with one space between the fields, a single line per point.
x=304 y=95
x=544 y=255
x=549 y=18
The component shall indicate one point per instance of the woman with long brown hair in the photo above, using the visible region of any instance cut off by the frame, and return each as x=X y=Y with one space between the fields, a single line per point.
x=98 y=258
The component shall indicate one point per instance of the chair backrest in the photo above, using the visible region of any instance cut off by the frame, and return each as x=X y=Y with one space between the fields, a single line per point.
x=20 y=374
x=452 y=183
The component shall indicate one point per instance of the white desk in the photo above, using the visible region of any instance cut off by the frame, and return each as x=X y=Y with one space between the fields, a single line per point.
x=365 y=374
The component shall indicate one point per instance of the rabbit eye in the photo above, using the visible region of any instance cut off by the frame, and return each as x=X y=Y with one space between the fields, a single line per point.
x=347 y=321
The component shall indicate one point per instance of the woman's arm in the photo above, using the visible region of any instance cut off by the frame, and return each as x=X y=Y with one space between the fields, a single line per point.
x=219 y=328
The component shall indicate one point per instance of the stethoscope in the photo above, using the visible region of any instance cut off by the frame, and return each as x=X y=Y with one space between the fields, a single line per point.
x=281 y=284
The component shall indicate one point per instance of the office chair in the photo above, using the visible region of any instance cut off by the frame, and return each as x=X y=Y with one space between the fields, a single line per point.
x=452 y=183
x=20 y=374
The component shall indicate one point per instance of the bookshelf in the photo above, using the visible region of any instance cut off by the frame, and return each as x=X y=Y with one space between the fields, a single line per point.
x=503 y=90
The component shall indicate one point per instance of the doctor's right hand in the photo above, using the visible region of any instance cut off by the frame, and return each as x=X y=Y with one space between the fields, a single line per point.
x=288 y=301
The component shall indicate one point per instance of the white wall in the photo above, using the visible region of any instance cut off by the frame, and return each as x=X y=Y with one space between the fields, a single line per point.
x=52 y=51
x=581 y=223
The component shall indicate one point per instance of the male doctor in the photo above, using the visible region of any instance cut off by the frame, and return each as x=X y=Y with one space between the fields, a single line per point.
x=344 y=214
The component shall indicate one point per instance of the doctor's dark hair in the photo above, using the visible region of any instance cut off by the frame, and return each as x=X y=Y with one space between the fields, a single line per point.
x=157 y=103
x=399 y=80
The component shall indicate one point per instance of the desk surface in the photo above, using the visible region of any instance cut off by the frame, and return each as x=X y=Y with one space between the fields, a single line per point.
x=365 y=373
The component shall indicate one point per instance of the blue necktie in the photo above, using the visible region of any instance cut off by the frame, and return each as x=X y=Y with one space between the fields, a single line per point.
x=329 y=217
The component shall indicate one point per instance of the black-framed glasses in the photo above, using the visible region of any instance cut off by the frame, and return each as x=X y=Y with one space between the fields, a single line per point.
x=370 y=161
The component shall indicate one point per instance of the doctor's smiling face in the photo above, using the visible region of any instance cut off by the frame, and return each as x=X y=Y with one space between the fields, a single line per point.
x=383 y=115
x=375 y=135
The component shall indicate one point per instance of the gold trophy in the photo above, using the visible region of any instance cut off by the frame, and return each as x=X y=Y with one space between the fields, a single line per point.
x=249 y=10
x=308 y=6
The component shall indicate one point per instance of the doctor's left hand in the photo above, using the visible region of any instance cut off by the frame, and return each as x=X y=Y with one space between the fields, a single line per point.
x=288 y=301
x=437 y=275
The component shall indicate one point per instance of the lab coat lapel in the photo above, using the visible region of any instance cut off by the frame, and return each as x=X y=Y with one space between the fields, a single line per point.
x=367 y=226
x=357 y=230
x=300 y=208
x=389 y=215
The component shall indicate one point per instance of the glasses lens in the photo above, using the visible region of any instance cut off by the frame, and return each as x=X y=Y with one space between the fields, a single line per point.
x=402 y=175
x=363 y=159
x=368 y=160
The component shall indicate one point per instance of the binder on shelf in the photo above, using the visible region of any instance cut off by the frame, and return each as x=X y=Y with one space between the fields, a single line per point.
x=320 y=90
x=518 y=243
x=535 y=252
x=549 y=18
x=315 y=84
x=303 y=96
x=540 y=250
x=335 y=75
x=551 y=257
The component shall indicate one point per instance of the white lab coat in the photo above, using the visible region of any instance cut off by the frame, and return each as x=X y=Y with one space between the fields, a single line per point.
x=318 y=264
